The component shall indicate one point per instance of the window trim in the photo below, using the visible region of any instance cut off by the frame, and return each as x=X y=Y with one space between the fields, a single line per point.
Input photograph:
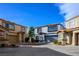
x=52 y=30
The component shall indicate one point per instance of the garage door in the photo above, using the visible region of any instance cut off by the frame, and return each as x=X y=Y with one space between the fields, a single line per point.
x=13 y=39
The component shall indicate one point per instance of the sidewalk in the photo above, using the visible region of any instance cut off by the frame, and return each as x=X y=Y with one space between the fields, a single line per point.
x=70 y=50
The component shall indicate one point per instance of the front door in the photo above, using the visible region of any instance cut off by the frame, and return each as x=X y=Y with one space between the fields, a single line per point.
x=77 y=39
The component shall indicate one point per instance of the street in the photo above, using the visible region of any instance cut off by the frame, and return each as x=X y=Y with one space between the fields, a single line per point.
x=29 y=51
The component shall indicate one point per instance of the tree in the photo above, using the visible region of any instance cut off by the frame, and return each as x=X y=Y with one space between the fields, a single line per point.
x=31 y=34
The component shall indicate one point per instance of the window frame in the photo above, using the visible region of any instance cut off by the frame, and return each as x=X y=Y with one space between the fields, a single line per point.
x=52 y=29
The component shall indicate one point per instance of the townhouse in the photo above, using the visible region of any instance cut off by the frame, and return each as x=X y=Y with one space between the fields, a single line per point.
x=47 y=33
x=11 y=33
x=70 y=35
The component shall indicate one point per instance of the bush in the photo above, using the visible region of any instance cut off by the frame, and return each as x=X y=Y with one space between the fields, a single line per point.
x=13 y=45
x=27 y=39
x=59 y=43
x=55 y=41
x=33 y=40
x=2 y=45
x=36 y=40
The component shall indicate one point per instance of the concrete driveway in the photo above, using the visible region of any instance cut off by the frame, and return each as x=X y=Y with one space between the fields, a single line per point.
x=29 y=51
x=67 y=49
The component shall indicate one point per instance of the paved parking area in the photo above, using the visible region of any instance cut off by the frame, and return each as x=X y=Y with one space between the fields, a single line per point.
x=29 y=51
x=67 y=49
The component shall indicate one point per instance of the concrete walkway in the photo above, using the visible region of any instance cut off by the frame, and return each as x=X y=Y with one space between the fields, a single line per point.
x=70 y=50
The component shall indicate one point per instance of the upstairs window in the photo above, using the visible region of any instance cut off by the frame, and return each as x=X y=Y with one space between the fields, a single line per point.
x=23 y=29
x=52 y=28
x=11 y=26
x=39 y=30
x=3 y=24
x=7 y=25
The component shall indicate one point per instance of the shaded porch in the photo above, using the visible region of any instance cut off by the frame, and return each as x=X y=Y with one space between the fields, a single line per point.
x=65 y=37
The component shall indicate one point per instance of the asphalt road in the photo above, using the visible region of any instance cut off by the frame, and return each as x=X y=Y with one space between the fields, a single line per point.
x=29 y=51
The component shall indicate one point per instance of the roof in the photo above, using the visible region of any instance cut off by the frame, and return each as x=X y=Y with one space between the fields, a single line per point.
x=69 y=30
x=65 y=30
x=12 y=22
x=72 y=18
x=47 y=25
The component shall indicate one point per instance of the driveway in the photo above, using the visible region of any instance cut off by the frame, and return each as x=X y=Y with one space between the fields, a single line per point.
x=29 y=51
x=67 y=49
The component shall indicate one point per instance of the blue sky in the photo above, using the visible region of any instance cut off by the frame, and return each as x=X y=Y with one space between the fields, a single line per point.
x=31 y=14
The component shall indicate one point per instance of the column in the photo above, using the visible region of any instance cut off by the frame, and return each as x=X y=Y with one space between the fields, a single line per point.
x=20 y=38
x=68 y=38
x=73 y=39
x=43 y=38
x=63 y=37
x=23 y=38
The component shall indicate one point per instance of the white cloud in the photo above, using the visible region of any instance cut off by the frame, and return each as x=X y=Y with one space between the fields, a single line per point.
x=69 y=9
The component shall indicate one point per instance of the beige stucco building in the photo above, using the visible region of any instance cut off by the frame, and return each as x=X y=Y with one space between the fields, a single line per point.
x=70 y=35
x=11 y=33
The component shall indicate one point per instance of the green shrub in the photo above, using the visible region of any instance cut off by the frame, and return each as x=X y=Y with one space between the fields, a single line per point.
x=59 y=43
x=55 y=41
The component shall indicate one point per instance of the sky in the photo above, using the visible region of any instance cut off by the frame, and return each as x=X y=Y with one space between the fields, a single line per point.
x=69 y=10
x=32 y=14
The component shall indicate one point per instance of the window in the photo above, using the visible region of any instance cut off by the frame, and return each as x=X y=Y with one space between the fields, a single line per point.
x=51 y=37
x=71 y=24
x=1 y=33
x=39 y=30
x=7 y=25
x=23 y=29
x=11 y=26
x=3 y=24
x=52 y=28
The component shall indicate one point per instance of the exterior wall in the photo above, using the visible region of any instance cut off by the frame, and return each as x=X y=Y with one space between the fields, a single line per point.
x=74 y=37
x=26 y=32
x=73 y=23
x=60 y=27
x=65 y=36
x=35 y=31
x=40 y=37
x=21 y=35
x=52 y=35
x=69 y=38
x=0 y=22
x=13 y=36
x=17 y=28
x=13 y=39
x=45 y=29
x=61 y=37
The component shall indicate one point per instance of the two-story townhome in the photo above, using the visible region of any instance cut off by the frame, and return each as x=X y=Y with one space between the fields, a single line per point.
x=11 y=33
x=70 y=35
x=47 y=33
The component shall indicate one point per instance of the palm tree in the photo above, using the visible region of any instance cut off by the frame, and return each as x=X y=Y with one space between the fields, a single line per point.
x=31 y=34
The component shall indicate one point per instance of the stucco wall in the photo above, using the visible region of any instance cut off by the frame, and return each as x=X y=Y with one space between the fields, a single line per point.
x=72 y=23
x=60 y=37
x=0 y=22
x=45 y=29
x=35 y=31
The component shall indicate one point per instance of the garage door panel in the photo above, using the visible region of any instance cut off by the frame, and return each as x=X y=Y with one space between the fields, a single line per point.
x=12 y=39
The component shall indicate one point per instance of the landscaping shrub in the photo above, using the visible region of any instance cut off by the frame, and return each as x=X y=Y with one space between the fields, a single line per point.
x=59 y=43
x=27 y=39
x=33 y=40
x=36 y=40
x=13 y=45
x=55 y=41
x=2 y=45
